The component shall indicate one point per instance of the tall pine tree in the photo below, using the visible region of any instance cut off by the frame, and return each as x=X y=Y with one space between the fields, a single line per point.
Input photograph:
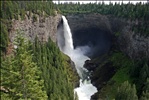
x=126 y=92
x=21 y=76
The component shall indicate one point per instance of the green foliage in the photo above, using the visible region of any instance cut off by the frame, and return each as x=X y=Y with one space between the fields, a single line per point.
x=138 y=13
x=20 y=75
x=129 y=11
x=11 y=9
x=126 y=92
x=144 y=73
x=3 y=37
x=56 y=72
x=120 y=60
x=136 y=72
x=41 y=74
x=121 y=75
x=122 y=64
x=34 y=18
x=47 y=63
x=139 y=73
x=5 y=96
x=141 y=28
x=145 y=94
x=15 y=9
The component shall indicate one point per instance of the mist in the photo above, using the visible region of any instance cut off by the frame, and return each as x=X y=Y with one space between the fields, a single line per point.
x=77 y=55
x=97 y=40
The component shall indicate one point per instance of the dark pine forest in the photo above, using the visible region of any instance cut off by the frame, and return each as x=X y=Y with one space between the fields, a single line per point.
x=39 y=71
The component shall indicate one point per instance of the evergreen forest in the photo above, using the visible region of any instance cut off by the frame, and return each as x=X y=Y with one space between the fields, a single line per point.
x=40 y=71
x=33 y=71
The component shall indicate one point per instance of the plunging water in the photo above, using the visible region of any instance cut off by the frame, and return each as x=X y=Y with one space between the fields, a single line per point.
x=86 y=89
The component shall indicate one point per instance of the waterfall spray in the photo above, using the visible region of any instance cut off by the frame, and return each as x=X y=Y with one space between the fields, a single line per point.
x=86 y=89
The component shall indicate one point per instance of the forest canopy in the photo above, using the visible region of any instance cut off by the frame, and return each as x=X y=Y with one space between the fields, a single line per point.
x=39 y=71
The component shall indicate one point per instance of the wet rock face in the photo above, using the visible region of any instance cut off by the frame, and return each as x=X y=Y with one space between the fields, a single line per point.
x=95 y=30
x=90 y=66
x=98 y=32
x=86 y=27
x=129 y=42
x=137 y=47
x=35 y=25
x=91 y=30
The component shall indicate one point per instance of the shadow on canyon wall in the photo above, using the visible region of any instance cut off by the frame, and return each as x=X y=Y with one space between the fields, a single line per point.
x=96 y=36
x=99 y=41
x=101 y=33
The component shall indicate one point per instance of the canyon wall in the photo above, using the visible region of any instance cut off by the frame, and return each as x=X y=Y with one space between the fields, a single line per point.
x=117 y=29
x=87 y=29
x=34 y=25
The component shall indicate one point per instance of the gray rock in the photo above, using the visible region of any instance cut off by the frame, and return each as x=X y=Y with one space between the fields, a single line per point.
x=43 y=27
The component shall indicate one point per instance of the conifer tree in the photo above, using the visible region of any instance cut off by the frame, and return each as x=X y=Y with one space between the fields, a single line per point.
x=22 y=77
x=54 y=73
x=126 y=92
x=145 y=95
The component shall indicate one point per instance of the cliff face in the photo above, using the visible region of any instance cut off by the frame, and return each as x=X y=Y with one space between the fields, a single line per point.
x=87 y=29
x=43 y=28
x=34 y=25
x=92 y=30
x=95 y=30
x=98 y=30
x=85 y=21
x=134 y=45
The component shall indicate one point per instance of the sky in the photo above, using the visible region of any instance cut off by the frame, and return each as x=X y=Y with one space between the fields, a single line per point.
x=105 y=1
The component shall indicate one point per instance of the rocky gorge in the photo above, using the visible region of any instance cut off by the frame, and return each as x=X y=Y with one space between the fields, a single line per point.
x=134 y=45
x=86 y=25
x=102 y=33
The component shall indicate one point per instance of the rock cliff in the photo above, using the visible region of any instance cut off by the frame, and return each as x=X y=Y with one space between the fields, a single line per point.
x=97 y=31
x=100 y=32
x=87 y=29
x=34 y=25
x=92 y=30
x=134 y=45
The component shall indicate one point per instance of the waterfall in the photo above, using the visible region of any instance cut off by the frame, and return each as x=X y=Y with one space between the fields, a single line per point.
x=86 y=89
x=68 y=37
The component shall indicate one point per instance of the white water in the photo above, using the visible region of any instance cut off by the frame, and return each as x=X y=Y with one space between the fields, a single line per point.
x=86 y=89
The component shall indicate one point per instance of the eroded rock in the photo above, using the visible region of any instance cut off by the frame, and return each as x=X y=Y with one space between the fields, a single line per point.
x=34 y=25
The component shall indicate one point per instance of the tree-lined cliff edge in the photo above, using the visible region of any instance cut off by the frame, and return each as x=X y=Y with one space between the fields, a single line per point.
x=126 y=60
